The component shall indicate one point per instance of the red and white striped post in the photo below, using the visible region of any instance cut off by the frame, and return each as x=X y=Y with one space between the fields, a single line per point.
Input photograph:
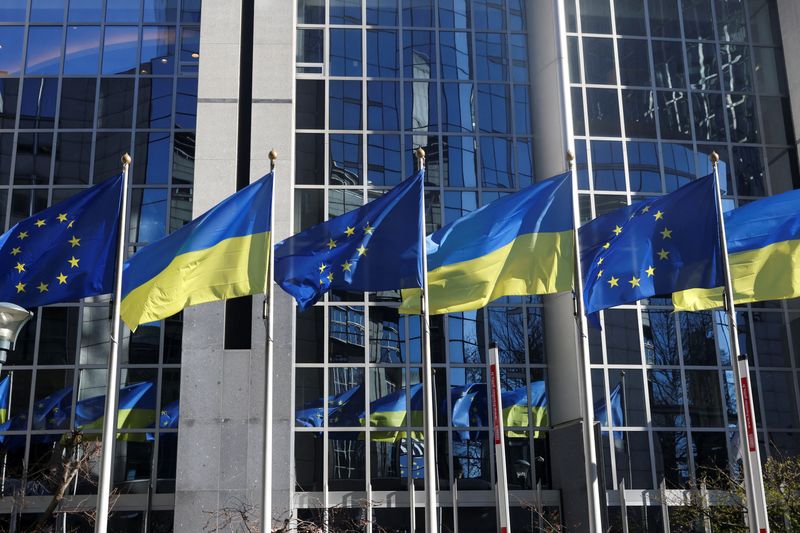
x=499 y=442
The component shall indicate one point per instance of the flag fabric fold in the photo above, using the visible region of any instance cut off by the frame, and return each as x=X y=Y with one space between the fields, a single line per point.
x=136 y=410
x=653 y=248
x=763 y=240
x=221 y=254
x=376 y=247
x=5 y=397
x=601 y=411
x=65 y=252
x=520 y=244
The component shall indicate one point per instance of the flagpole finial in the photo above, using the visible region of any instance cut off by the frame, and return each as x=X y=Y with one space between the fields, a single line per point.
x=420 y=153
x=273 y=155
x=714 y=157
x=126 y=159
x=570 y=156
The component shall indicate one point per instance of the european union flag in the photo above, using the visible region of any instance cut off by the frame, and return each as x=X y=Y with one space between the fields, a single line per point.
x=311 y=415
x=377 y=247
x=169 y=415
x=617 y=413
x=65 y=252
x=653 y=248
x=52 y=411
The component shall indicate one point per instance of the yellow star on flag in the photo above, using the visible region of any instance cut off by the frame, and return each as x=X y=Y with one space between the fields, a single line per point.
x=651 y=271
x=346 y=266
x=646 y=209
x=607 y=245
x=322 y=268
x=331 y=244
x=40 y=223
x=16 y=251
x=73 y=263
x=667 y=233
x=614 y=282
x=42 y=287
x=368 y=229
x=330 y=276
x=349 y=231
x=322 y=281
x=634 y=281
x=617 y=230
x=71 y=222
x=663 y=254
x=600 y=261
x=22 y=235
x=62 y=217
x=20 y=267
x=62 y=279
x=361 y=250
x=74 y=241
x=659 y=215
x=20 y=287
x=600 y=274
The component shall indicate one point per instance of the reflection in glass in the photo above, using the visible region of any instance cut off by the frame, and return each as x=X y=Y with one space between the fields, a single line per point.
x=13 y=11
x=496 y=162
x=459 y=166
x=77 y=103
x=679 y=165
x=458 y=112
x=493 y=108
x=524 y=159
x=458 y=204
x=598 y=57
x=186 y=104
x=383 y=105
x=770 y=73
x=155 y=103
x=419 y=54
x=122 y=11
x=345 y=52
x=345 y=11
x=38 y=103
x=158 y=50
x=507 y=329
x=152 y=152
x=776 y=112
x=44 y=50
x=673 y=111
x=344 y=105
x=417 y=13
x=471 y=466
x=346 y=335
x=603 y=112
x=455 y=49
x=639 y=109
x=666 y=398
x=383 y=159
x=697 y=22
x=742 y=120
x=82 y=54
x=148 y=215
x=710 y=450
x=420 y=111
x=634 y=66
x=309 y=45
x=34 y=153
x=120 y=49
x=664 y=18
x=731 y=24
x=735 y=62
x=311 y=11
x=454 y=13
x=491 y=57
x=779 y=400
x=607 y=166
x=668 y=64
x=382 y=12
x=703 y=398
x=465 y=339
x=115 y=109
x=697 y=338
x=709 y=120
x=382 y=54
x=749 y=169
x=73 y=158
x=489 y=14
x=643 y=167
x=346 y=165
x=630 y=17
x=107 y=148
x=702 y=62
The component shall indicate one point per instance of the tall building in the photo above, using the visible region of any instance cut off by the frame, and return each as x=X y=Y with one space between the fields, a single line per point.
x=495 y=91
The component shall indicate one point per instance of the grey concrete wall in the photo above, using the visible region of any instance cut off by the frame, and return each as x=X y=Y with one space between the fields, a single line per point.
x=789 y=15
x=552 y=137
x=222 y=391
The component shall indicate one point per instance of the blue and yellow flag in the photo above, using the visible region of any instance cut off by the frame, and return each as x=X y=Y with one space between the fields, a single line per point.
x=64 y=253
x=653 y=248
x=518 y=245
x=5 y=396
x=136 y=409
x=221 y=254
x=377 y=247
x=312 y=414
x=170 y=414
x=391 y=411
x=764 y=253
x=471 y=409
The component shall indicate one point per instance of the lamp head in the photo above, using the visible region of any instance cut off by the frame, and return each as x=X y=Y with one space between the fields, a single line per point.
x=12 y=320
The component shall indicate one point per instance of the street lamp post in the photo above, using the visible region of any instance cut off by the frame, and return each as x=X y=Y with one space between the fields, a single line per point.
x=12 y=320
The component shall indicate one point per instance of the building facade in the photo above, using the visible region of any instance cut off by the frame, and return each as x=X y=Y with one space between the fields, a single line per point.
x=496 y=92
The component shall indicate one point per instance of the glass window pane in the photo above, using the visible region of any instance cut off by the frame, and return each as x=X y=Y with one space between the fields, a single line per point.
x=44 y=50
x=622 y=336
x=345 y=152
x=524 y=153
x=607 y=168
x=85 y=11
x=776 y=112
x=630 y=17
x=82 y=54
x=420 y=113
x=11 y=51
x=454 y=13
x=346 y=341
x=308 y=453
x=710 y=450
x=460 y=163
x=660 y=340
x=116 y=103
x=155 y=103
x=703 y=73
x=709 y=119
x=38 y=103
x=603 y=109
x=735 y=60
x=311 y=11
x=456 y=52
x=458 y=204
x=419 y=54
x=697 y=23
x=639 y=108
x=664 y=20
x=596 y=16
x=668 y=64
x=309 y=158
x=13 y=11
x=164 y=11
x=489 y=14
x=634 y=65
x=148 y=215
x=186 y=104
x=382 y=12
x=496 y=162
x=6 y=155
x=152 y=152
x=77 y=103
x=34 y=154
x=190 y=50
x=749 y=171
x=382 y=54
x=731 y=24
x=673 y=111
x=764 y=21
x=417 y=13
x=120 y=49
x=643 y=167
x=598 y=58
x=770 y=73
x=47 y=10
x=308 y=208
x=666 y=398
x=458 y=113
x=384 y=160
x=345 y=11
x=491 y=57
x=73 y=158
x=742 y=120
x=383 y=105
x=158 y=50
x=345 y=105
x=345 y=53
x=108 y=146
x=493 y=108
x=779 y=400
x=122 y=10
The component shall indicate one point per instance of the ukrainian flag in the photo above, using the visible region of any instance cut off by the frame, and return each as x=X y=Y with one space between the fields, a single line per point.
x=518 y=245
x=515 y=409
x=764 y=252
x=390 y=412
x=222 y=254
x=137 y=409
x=5 y=389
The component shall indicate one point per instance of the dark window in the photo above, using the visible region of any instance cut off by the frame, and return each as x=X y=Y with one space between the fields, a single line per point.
x=115 y=109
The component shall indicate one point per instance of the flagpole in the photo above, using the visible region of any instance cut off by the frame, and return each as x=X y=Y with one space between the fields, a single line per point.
x=499 y=442
x=592 y=479
x=112 y=383
x=751 y=460
x=269 y=300
x=8 y=418
x=427 y=379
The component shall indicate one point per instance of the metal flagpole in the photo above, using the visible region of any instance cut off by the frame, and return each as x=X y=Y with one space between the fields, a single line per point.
x=8 y=417
x=269 y=301
x=427 y=381
x=112 y=381
x=592 y=480
x=753 y=480
x=625 y=422
x=499 y=442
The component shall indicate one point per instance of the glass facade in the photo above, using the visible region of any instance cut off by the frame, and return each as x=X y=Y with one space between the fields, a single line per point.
x=656 y=85
x=81 y=83
x=376 y=79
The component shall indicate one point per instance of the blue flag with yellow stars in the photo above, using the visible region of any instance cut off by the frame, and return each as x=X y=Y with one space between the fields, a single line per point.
x=377 y=247
x=653 y=248
x=64 y=253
